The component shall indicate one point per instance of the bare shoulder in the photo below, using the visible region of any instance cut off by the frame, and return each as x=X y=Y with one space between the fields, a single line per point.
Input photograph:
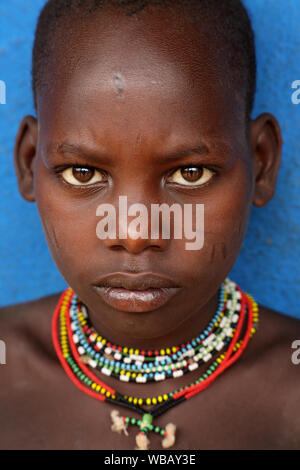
x=276 y=339
x=27 y=325
x=275 y=365
x=279 y=329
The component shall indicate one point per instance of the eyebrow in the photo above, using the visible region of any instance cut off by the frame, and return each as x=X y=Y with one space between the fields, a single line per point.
x=99 y=157
x=65 y=148
x=200 y=149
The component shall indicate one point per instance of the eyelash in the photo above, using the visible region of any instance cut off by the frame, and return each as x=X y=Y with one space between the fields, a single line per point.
x=59 y=170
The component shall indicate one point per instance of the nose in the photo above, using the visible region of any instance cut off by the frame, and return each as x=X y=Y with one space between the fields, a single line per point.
x=130 y=226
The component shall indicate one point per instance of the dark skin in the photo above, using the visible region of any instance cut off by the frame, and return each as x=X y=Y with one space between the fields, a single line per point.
x=129 y=104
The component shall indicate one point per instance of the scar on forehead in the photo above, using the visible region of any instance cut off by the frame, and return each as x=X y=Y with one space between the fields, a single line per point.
x=119 y=84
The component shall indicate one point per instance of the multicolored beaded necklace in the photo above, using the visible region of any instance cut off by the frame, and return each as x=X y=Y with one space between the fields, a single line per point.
x=78 y=345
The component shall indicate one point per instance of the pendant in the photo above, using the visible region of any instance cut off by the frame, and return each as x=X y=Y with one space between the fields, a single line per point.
x=120 y=424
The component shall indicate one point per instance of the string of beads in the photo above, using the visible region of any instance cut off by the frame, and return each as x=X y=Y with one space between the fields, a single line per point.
x=240 y=305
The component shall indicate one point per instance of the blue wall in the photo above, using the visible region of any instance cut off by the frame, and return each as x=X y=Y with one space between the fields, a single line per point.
x=268 y=266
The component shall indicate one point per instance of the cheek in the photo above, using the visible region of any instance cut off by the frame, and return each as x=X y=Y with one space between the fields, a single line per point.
x=69 y=226
x=226 y=215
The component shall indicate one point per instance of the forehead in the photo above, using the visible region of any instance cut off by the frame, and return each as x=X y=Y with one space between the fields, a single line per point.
x=153 y=72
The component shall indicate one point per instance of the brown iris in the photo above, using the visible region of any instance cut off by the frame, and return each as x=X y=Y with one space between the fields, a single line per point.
x=191 y=174
x=83 y=175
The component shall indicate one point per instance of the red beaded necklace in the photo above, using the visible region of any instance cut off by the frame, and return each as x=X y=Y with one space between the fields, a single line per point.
x=90 y=384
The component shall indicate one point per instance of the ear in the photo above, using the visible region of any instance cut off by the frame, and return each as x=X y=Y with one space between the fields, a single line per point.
x=266 y=145
x=24 y=156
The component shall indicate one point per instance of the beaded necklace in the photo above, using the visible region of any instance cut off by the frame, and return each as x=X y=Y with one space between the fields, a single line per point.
x=128 y=364
x=237 y=310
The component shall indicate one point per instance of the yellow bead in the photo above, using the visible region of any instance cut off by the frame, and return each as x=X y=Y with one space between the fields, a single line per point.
x=130 y=399
x=131 y=351
x=148 y=401
x=137 y=352
x=98 y=388
x=154 y=401
x=165 y=397
x=135 y=401
x=160 y=399
x=125 y=350
x=168 y=351
x=140 y=401
x=162 y=352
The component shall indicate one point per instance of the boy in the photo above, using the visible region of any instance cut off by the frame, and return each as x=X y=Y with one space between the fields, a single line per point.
x=152 y=100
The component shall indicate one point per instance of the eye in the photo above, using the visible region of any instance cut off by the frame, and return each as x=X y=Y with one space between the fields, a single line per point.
x=78 y=176
x=191 y=176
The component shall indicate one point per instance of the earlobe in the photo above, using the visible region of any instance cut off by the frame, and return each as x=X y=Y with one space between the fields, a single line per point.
x=24 y=156
x=266 y=145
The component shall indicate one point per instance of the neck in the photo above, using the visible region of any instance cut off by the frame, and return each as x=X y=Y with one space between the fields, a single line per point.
x=190 y=326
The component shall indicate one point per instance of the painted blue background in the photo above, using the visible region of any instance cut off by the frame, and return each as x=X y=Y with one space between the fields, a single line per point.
x=268 y=266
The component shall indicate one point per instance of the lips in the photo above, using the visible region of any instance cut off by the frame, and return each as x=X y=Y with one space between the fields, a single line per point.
x=136 y=292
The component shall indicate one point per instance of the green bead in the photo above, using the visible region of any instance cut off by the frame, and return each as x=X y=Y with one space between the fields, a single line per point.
x=157 y=429
x=127 y=420
x=162 y=432
x=133 y=420
x=139 y=422
x=151 y=427
x=147 y=419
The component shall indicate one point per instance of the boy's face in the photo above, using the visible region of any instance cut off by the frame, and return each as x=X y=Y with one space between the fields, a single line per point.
x=124 y=102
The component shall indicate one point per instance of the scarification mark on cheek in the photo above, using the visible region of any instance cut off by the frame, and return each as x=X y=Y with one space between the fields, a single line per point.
x=138 y=141
x=51 y=235
x=218 y=249
x=212 y=255
x=224 y=251
x=119 y=84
